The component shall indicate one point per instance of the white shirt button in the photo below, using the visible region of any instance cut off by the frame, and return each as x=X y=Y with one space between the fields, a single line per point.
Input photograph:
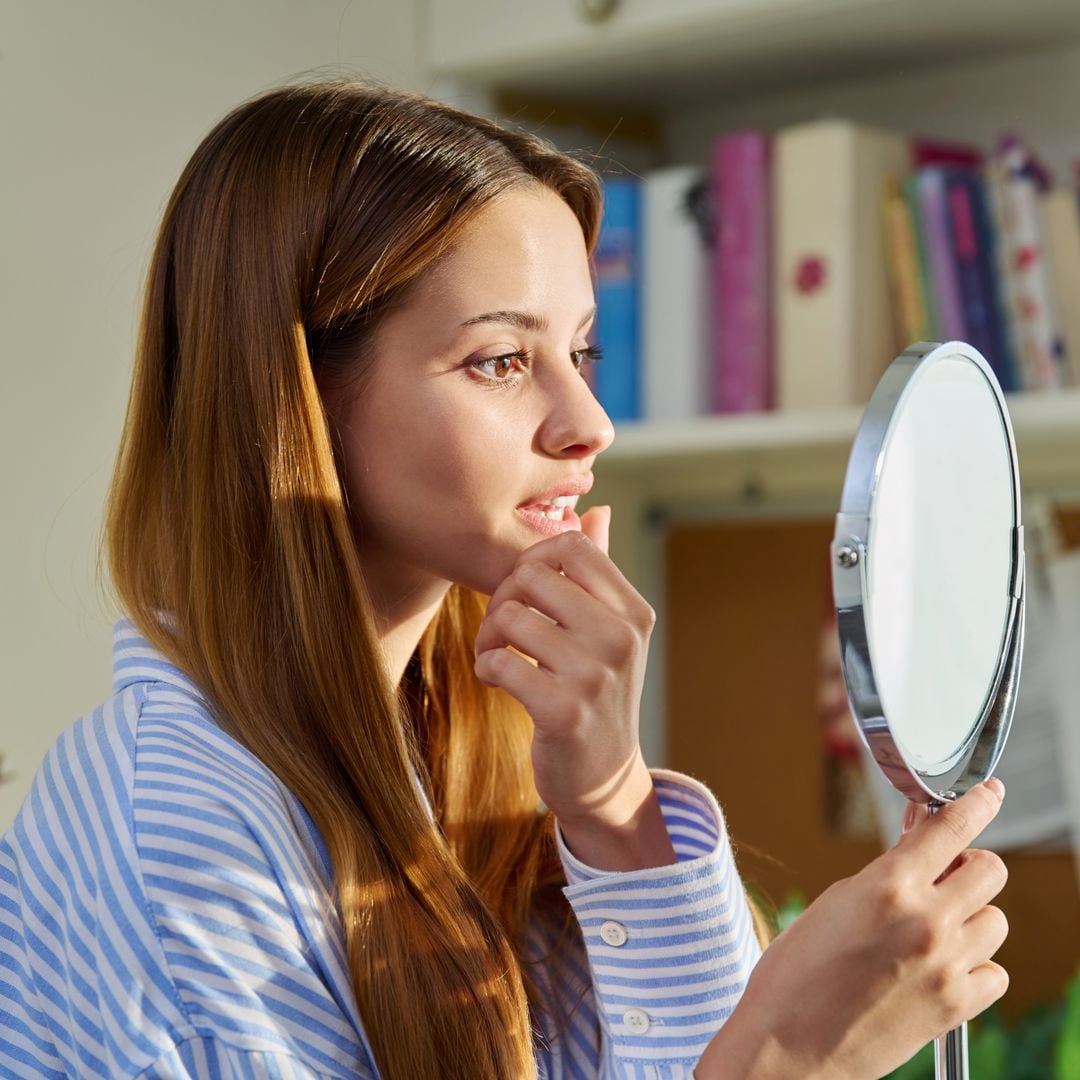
x=637 y=1021
x=613 y=933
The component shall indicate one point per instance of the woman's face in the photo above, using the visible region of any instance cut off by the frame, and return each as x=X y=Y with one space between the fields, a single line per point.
x=456 y=450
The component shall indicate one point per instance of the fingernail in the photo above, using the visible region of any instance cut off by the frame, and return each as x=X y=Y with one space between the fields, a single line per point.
x=997 y=787
x=909 y=818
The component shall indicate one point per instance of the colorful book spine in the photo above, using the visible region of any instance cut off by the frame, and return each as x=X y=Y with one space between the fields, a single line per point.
x=974 y=285
x=909 y=303
x=933 y=204
x=674 y=297
x=618 y=274
x=994 y=176
x=743 y=371
x=1040 y=349
x=1003 y=358
x=1062 y=231
x=910 y=189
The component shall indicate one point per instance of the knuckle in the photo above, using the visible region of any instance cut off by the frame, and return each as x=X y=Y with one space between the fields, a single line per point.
x=511 y=615
x=958 y=822
x=625 y=640
x=589 y=679
x=492 y=662
x=892 y=895
x=1002 y=923
x=530 y=570
x=574 y=540
x=925 y=937
x=991 y=865
x=999 y=980
x=647 y=617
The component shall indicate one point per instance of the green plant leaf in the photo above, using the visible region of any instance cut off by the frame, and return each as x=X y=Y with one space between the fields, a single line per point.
x=988 y=1052
x=793 y=906
x=1031 y=1043
x=1067 y=1049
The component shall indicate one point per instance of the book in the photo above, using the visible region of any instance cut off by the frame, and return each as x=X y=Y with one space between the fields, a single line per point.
x=934 y=215
x=910 y=189
x=1061 y=221
x=902 y=253
x=743 y=365
x=675 y=317
x=1003 y=357
x=1039 y=349
x=929 y=151
x=834 y=325
x=977 y=287
x=616 y=262
x=1008 y=286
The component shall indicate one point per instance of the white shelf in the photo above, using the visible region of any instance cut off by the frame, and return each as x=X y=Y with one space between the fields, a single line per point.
x=792 y=452
x=1036 y=417
x=651 y=55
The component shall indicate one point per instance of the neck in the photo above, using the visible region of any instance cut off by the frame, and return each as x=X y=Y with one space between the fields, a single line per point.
x=401 y=617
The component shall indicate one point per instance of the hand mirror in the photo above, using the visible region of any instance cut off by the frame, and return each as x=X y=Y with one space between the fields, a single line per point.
x=928 y=579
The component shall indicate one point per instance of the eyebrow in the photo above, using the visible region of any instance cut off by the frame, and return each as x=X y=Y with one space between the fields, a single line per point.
x=523 y=320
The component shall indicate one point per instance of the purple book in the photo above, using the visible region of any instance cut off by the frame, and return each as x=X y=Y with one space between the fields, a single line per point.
x=743 y=375
x=934 y=205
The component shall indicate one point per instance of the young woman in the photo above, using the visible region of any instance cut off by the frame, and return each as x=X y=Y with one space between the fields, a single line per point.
x=368 y=799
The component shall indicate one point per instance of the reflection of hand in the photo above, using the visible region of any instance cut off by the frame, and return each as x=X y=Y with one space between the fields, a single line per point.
x=566 y=605
x=880 y=963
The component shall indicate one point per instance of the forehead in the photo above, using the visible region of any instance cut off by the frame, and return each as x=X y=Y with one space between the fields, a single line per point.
x=524 y=249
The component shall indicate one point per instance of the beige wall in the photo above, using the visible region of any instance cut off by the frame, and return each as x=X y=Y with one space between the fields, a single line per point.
x=100 y=106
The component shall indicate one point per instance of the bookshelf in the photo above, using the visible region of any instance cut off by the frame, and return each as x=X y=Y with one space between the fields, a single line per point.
x=657 y=82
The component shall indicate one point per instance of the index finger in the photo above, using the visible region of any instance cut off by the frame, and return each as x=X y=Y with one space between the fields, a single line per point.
x=585 y=564
x=937 y=841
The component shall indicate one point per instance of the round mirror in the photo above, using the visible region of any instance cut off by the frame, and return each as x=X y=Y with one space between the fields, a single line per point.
x=928 y=572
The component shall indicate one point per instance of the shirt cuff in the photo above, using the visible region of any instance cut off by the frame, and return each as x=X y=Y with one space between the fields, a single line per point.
x=670 y=948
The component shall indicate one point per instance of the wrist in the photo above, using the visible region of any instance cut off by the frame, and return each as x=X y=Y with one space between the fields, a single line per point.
x=623 y=832
x=743 y=1049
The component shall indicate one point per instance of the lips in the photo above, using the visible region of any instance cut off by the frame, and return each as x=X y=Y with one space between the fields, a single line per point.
x=551 y=512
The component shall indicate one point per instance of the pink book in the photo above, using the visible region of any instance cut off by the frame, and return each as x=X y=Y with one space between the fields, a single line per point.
x=743 y=364
x=928 y=151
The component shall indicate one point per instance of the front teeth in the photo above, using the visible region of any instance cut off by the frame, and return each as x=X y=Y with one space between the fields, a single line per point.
x=558 y=506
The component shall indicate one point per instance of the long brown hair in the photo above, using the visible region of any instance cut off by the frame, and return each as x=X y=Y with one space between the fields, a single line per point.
x=301 y=219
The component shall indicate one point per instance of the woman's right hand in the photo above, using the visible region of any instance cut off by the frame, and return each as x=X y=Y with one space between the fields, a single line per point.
x=880 y=963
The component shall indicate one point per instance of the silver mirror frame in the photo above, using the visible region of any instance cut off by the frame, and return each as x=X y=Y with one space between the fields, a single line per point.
x=976 y=759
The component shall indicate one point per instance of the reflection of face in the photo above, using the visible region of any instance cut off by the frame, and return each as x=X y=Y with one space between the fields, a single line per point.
x=446 y=444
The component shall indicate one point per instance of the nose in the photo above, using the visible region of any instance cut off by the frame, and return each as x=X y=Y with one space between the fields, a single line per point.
x=574 y=424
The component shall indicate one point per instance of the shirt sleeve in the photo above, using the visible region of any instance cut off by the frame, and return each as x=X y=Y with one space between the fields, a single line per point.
x=669 y=949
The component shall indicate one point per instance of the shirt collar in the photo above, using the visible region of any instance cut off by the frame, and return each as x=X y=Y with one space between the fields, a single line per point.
x=135 y=660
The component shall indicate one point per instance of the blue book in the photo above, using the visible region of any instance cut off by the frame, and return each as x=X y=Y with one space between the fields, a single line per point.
x=974 y=294
x=617 y=262
x=1003 y=360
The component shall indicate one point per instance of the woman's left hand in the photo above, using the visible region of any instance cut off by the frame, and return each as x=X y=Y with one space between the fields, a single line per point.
x=567 y=606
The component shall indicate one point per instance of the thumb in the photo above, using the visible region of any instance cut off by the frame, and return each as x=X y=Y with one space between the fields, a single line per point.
x=595 y=524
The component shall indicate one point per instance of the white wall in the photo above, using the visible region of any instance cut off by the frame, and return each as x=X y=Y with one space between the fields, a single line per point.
x=101 y=104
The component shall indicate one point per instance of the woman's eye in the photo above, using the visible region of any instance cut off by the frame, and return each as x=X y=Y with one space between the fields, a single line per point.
x=583 y=357
x=500 y=368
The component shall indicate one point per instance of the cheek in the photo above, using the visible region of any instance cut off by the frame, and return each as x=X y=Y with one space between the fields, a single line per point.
x=448 y=454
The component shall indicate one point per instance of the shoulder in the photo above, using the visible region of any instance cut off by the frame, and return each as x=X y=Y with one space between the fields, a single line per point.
x=240 y=890
x=158 y=862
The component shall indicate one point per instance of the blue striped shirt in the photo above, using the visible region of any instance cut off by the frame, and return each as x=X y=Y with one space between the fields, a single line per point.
x=166 y=910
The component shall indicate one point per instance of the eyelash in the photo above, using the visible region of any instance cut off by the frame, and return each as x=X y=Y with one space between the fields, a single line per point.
x=589 y=355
